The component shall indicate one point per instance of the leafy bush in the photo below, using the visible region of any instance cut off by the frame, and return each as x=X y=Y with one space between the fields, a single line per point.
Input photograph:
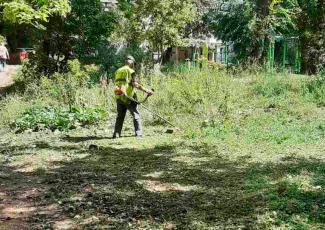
x=271 y=86
x=10 y=107
x=183 y=97
x=58 y=118
x=64 y=86
x=316 y=89
x=26 y=78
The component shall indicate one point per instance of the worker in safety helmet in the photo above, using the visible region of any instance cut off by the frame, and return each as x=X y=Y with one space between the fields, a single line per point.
x=125 y=81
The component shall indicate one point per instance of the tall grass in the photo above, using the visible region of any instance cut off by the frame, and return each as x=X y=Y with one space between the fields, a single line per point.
x=279 y=108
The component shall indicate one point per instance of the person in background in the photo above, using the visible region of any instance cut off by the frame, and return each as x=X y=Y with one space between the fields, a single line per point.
x=4 y=56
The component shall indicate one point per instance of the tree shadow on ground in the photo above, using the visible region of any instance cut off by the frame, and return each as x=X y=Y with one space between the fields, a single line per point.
x=127 y=188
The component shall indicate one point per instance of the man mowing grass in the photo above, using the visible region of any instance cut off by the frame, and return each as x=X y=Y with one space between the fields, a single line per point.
x=125 y=81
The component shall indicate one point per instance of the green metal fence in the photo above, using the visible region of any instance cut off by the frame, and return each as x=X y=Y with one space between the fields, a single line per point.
x=284 y=54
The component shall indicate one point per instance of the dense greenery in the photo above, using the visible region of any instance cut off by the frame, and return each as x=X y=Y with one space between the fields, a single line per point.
x=161 y=23
x=251 y=23
x=33 y=13
x=61 y=119
x=249 y=155
x=248 y=150
x=81 y=29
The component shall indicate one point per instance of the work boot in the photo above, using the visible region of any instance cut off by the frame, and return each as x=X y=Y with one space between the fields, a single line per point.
x=116 y=136
x=138 y=136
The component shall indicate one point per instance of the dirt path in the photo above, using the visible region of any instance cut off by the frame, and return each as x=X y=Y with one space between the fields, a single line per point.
x=17 y=203
x=6 y=77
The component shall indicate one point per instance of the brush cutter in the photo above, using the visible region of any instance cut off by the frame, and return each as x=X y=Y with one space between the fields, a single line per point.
x=153 y=112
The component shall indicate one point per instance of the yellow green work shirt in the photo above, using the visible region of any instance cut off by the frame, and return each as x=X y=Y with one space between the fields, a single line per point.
x=124 y=77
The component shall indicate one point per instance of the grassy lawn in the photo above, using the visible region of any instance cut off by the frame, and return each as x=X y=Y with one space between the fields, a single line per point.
x=86 y=180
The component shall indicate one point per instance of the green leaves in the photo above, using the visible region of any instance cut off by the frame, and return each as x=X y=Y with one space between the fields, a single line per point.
x=250 y=23
x=61 y=119
x=36 y=13
x=64 y=86
x=161 y=23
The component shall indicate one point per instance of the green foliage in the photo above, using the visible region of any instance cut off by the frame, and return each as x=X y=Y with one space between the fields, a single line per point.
x=112 y=58
x=87 y=29
x=161 y=23
x=27 y=77
x=260 y=109
x=64 y=86
x=249 y=25
x=34 y=13
x=13 y=106
x=316 y=89
x=61 y=119
x=2 y=39
x=271 y=86
x=233 y=25
x=82 y=35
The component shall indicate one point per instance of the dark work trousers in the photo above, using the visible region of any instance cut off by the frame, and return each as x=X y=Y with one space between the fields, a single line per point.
x=121 y=112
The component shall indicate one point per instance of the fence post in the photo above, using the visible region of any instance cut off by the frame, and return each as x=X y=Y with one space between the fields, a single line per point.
x=270 y=64
x=226 y=54
x=284 y=58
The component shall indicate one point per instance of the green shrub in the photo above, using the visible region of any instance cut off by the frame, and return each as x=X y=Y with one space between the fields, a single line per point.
x=181 y=68
x=315 y=87
x=14 y=105
x=29 y=81
x=112 y=58
x=64 y=86
x=11 y=107
x=271 y=86
x=94 y=74
x=188 y=96
x=58 y=118
x=26 y=78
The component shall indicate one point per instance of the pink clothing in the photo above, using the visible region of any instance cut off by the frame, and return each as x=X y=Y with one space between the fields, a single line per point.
x=4 y=54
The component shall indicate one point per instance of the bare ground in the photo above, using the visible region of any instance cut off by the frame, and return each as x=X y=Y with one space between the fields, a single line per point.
x=6 y=77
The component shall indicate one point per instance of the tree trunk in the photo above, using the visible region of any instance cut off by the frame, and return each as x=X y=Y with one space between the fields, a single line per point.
x=313 y=46
x=167 y=54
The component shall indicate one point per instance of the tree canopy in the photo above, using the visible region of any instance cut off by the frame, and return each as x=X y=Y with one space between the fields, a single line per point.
x=161 y=23
x=34 y=12
x=248 y=23
x=158 y=25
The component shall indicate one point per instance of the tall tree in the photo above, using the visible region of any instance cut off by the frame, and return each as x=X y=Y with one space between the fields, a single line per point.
x=81 y=35
x=310 y=20
x=160 y=23
x=250 y=23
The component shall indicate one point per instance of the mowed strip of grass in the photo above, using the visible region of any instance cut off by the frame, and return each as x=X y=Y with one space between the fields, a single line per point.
x=162 y=181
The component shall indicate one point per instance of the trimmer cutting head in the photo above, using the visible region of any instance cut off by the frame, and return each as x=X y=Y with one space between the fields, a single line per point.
x=173 y=130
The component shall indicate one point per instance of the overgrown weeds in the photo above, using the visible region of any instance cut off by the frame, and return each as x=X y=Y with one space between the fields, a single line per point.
x=277 y=108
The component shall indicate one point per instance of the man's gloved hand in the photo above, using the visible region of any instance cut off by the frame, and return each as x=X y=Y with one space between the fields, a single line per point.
x=149 y=92
x=119 y=90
